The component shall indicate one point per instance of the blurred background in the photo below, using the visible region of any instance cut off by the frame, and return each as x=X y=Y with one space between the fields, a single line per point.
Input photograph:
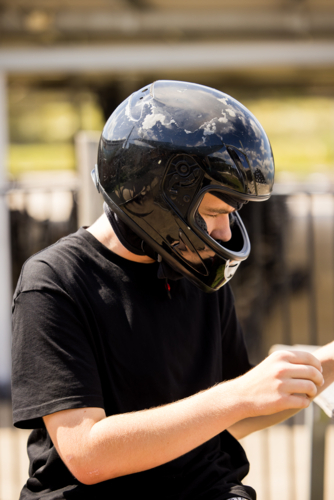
x=65 y=66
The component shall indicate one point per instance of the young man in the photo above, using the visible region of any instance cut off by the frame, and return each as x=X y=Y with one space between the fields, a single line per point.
x=134 y=379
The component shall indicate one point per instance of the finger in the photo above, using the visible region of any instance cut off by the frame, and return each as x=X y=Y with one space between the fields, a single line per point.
x=307 y=372
x=299 y=401
x=304 y=358
x=301 y=386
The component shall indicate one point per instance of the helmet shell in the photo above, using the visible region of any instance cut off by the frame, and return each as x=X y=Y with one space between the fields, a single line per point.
x=162 y=149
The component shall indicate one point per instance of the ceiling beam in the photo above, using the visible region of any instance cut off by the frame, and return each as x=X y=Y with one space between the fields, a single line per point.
x=141 y=21
x=148 y=57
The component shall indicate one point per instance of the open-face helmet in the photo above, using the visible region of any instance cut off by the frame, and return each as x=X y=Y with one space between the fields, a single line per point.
x=161 y=151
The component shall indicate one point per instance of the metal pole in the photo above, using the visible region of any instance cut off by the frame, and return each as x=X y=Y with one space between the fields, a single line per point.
x=89 y=202
x=311 y=264
x=281 y=202
x=257 y=317
x=5 y=261
x=317 y=434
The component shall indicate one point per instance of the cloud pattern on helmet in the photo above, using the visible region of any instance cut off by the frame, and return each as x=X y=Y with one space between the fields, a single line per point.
x=196 y=118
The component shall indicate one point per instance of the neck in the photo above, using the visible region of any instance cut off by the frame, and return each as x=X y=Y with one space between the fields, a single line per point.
x=104 y=233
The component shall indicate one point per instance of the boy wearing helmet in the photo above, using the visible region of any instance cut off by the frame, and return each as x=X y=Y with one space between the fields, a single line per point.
x=136 y=380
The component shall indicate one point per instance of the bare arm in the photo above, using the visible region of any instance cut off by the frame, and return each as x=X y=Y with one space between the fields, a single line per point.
x=96 y=448
x=245 y=427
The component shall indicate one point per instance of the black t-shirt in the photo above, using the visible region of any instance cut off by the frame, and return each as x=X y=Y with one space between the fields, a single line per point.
x=91 y=329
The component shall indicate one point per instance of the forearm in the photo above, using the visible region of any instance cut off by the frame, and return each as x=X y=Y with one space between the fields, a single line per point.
x=133 y=442
x=96 y=448
x=247 y=426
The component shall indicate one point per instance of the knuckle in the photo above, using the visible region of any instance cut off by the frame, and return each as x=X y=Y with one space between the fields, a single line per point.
x=317 y=376
x=284 y=355
x=278 y=355
x=313 y=373
x=280 y=386
x=281 y=368
x=312 y=390
x=305 y=402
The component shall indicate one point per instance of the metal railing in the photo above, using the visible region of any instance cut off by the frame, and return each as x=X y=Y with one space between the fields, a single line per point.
x=285 y=290
x=38 y=218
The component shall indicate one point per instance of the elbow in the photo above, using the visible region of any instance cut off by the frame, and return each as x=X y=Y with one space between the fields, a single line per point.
x=90 y=474
x=88 y=478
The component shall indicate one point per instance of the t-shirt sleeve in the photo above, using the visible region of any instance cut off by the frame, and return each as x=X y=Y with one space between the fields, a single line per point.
x=53 y=362
x=235 y=357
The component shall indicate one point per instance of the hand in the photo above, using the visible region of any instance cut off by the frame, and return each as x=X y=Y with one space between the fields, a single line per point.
x=284 y=380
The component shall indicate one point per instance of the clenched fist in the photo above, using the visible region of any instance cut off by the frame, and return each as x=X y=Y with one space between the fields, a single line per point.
x=284 y=380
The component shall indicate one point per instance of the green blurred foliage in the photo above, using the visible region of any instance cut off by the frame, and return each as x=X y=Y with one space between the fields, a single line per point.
x=301 y=131
x=32 y=157
x=43 y=125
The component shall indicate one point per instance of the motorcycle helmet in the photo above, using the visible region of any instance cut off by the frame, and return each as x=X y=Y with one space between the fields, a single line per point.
x=161 y=151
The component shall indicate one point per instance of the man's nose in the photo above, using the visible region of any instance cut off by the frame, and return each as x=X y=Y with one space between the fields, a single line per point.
x=221 y=228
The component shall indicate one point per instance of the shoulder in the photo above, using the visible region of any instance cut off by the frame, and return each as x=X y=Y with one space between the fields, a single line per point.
x=49 y=265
